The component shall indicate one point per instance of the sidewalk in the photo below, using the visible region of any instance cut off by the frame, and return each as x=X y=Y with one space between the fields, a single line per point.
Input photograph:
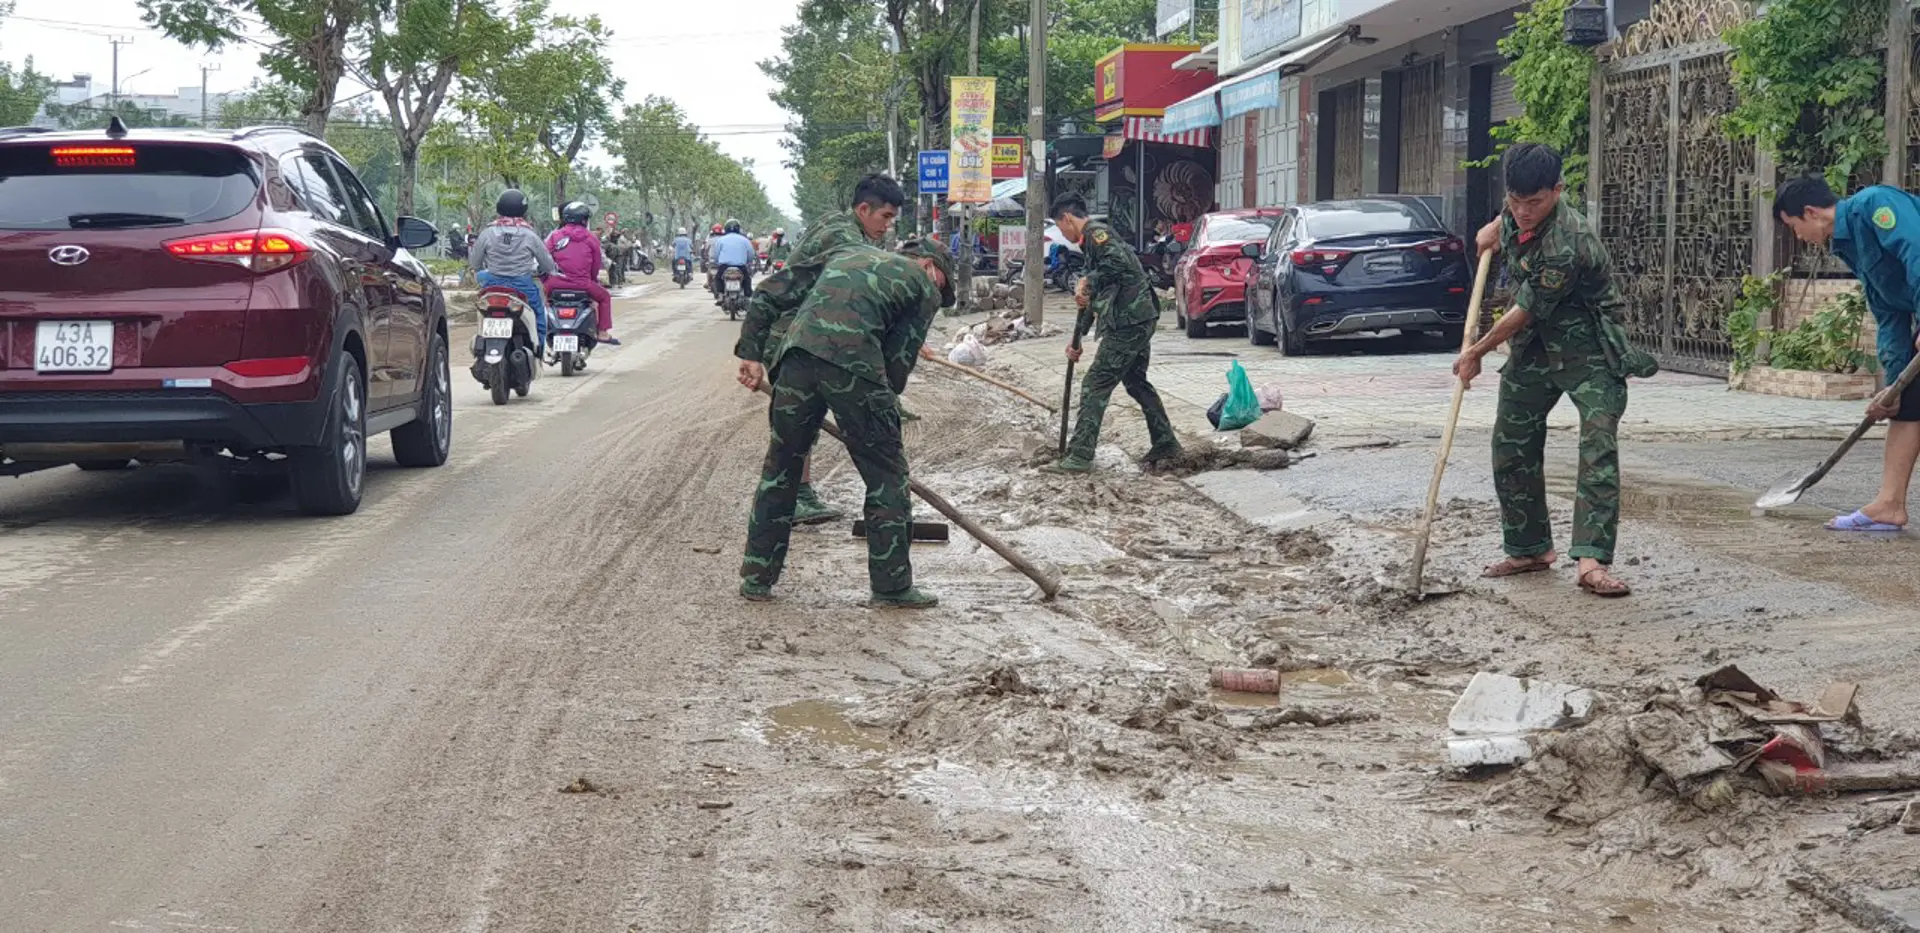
x=1384 y=388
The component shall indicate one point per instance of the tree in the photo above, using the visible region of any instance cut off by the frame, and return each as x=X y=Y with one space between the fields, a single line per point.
x=22 y=93
x=679 y=173
x=306 y=48
x=547 y=97
x=409 y=52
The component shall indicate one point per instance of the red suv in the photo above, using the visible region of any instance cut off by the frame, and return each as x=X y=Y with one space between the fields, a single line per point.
x=180 y=294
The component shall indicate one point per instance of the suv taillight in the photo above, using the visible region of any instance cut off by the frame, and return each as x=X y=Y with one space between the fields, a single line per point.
x=1325 y=261
x=260 y=251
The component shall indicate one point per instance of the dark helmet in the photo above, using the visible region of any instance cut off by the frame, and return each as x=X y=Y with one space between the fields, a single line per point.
x=733 y=226
x=575 y=213
x=511 y=204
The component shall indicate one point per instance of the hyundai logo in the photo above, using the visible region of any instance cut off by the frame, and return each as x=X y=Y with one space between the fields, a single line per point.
x=68 y=255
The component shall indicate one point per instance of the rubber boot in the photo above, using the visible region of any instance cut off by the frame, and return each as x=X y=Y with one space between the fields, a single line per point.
x=910 y=598
x=1157 y=454
x=809 y=510
x=754 y=592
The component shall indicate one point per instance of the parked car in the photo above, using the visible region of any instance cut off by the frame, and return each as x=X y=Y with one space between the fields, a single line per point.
x=227 y=296
x=1365 y=265
x=1210 y=278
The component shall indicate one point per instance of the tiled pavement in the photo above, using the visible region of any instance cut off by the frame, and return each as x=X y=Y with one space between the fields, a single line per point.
x=1388 y=388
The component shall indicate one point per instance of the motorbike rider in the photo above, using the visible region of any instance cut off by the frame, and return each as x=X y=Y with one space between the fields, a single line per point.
x=780 y=249
x=508 y=253
x=683 y=247
x=735 y=250
x=614 y=242
x=713 y=247
x=580 y=254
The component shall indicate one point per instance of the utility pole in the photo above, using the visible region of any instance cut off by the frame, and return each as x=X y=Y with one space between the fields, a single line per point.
x=113 y=95
x=1036 y=162
x=203 y=91
x=965 y=288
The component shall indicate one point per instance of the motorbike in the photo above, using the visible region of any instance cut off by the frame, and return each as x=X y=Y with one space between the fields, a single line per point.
x=638 y=259
x=570 y=329
x=766 y=262
x=1066 y=274
x=733 y=292
x=505 y=356
x=682 y=272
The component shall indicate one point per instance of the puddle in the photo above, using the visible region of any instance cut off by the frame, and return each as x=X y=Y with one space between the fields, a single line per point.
x=1322 y=676
x=1788 y=541
x=1193 y=634
x=826 y=723
x=1233 y=699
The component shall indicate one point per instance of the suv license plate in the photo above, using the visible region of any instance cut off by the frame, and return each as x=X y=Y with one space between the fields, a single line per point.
x=73 y=347
x=492 y=328
x=566 y=343
x=733 y=286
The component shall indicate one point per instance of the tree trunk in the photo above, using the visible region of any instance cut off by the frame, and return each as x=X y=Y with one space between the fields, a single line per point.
x=409 y=180
x=329 y=60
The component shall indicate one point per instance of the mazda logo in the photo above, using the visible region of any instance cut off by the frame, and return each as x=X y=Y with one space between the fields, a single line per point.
x=68 y=255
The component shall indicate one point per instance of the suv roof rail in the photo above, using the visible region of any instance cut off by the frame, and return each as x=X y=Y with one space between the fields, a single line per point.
x=12 y=131
x=265 y=128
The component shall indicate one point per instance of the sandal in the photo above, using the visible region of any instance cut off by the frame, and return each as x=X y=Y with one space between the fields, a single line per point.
x=1515 y=566
x=1607 y=588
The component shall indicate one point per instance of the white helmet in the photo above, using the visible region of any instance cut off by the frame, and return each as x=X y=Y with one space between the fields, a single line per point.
x=779 y=231
x=683 y=231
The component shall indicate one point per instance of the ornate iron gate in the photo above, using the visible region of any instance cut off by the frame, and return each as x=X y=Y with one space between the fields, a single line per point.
x=1675 y=195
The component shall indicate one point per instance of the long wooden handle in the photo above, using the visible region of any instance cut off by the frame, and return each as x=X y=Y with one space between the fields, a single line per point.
x=1888 y=397
x=1049 y=584
x=1066 y=397
x=1469 y=335
x=983 y=377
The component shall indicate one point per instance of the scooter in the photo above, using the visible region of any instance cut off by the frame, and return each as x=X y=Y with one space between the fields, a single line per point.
x=640 y=260
x=570 y=323
x=733 y=292
x=505 y=355
x=682 y=272
x=766 y=262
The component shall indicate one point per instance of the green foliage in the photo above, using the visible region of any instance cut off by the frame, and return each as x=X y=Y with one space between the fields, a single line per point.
x=85 y=117
x=1808 y=75
x=306 y=43
x=1759 y=297
x=1552 y=81
x=680 y=174
x=1827 y=341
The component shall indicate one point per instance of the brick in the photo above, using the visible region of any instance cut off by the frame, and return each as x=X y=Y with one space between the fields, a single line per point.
x=1282 y=429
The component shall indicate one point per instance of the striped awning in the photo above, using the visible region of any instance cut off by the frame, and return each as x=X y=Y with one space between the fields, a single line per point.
x=1151 y=130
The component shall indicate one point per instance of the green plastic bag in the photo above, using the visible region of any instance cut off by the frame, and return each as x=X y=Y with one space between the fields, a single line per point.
x=1243 y=404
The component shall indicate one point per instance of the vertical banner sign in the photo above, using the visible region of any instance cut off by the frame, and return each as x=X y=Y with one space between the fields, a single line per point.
x=1013 y=241
x=971 y=178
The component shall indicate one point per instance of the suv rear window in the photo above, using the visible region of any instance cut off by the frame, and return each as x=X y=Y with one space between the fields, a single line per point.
x=44 y=187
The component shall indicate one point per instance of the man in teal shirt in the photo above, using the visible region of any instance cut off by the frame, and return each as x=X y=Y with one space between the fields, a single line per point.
x=1877 y=234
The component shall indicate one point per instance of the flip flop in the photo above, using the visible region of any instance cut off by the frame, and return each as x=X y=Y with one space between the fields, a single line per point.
x=1610 y=589
x=1859 y=521
x=610 y=341
x=1515 y=566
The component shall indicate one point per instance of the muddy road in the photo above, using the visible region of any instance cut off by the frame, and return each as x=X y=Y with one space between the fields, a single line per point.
x=519 y=693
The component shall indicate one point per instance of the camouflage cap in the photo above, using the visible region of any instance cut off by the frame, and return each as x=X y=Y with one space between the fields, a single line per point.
x=937 y=251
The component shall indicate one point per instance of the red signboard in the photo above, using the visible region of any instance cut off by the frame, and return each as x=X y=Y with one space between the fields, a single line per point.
x=1009 y=156
x=1140 y=81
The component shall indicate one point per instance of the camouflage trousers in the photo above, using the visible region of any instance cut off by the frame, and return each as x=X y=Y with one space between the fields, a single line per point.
x=805 y=389
x=1121 y=360
x=1528 y=391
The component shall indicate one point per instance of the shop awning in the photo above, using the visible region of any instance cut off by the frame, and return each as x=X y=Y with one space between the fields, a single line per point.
x=1260 y=88
x=1150 y=130
x=1197 y=112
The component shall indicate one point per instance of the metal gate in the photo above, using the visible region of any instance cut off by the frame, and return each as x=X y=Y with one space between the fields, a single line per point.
x=1420 y=91
x=1349 y=130
x=1675 y=194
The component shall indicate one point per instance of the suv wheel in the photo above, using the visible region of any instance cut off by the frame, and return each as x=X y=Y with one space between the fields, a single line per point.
x=1255 y=335
x=327 y=479
x=427 y=440
x=1292 y=343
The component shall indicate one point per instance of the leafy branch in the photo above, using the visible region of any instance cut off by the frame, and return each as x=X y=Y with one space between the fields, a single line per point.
x=1808 y=77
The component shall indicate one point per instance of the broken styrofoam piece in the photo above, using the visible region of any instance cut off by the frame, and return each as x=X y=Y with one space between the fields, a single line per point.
x=1495 y=704
x=1488 y=751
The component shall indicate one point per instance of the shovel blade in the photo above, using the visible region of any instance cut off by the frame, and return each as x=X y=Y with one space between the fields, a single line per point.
x=1784 y=493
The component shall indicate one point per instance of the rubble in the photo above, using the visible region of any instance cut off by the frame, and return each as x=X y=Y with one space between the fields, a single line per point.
x=1493 y=716
x=1282 y=429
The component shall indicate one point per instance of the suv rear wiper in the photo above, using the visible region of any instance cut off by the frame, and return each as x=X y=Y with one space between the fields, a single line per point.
x=118 y=219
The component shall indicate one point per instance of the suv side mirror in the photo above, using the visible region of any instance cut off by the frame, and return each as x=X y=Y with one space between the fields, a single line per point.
x=1251 y=250
x=415 y=233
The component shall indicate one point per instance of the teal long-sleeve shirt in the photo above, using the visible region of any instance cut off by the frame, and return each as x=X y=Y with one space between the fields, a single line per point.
x=1877 y=234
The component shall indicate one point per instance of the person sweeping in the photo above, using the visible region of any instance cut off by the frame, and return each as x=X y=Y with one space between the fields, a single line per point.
x=1117 y=295
x=1877 y=234
x=1563 y=338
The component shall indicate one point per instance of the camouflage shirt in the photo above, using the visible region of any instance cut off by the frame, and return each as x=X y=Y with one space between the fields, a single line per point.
x=1118 y=289
x=868 y=314
x=778 y=296
x=1563 y=279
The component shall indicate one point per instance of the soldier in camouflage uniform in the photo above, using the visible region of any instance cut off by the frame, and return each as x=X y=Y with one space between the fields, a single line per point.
x=876 y=202
x=1117 y=294
x=1565 y=340
x=849 y=351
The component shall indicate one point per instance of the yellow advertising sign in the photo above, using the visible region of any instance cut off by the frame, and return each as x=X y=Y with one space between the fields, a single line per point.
x=970 y=172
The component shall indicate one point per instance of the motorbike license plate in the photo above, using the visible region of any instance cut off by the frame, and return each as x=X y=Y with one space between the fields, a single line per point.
x=73 y=347
x=566 y=343
x=492 y=328
x=733 y=286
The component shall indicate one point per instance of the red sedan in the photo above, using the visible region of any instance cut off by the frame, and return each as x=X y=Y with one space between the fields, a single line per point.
x=1210 y=280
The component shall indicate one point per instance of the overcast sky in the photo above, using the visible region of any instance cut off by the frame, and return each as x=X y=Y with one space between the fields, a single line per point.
x=685 y=56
